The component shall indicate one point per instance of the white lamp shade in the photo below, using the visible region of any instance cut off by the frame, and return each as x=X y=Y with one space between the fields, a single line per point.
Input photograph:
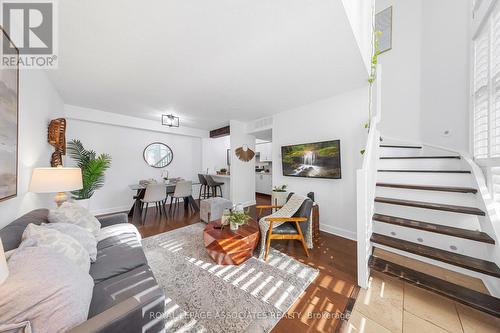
x=52 y=180
x=4 y=269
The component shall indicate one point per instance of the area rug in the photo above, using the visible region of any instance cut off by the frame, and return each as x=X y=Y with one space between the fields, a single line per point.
x=202 y=296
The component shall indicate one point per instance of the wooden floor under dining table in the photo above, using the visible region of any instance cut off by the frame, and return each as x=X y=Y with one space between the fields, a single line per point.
x=136 y=209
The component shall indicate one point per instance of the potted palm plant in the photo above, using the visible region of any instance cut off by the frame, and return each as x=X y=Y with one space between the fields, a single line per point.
x=93 y=167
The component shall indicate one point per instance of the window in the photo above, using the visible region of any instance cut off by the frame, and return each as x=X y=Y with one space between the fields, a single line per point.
x=486 y=89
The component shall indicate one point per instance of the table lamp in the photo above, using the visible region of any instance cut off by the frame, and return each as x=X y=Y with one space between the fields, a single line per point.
x=56 y=180
x=4 y=269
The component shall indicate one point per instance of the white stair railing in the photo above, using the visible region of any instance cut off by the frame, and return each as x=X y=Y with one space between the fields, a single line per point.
x=366 y=179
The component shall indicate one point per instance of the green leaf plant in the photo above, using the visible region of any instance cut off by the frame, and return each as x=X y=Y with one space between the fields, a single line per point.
x=93 y=167
x=373 y=77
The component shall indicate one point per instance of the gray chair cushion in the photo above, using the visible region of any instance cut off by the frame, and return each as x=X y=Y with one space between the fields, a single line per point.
x=117 y=255
x=285 y=229
x=12 y=233
x=304 y=211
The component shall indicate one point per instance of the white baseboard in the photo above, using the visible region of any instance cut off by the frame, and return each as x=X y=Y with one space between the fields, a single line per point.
x=249 y=203
x=338 y=232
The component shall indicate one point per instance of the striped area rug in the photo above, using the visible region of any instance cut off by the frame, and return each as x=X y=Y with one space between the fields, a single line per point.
x=202 y=296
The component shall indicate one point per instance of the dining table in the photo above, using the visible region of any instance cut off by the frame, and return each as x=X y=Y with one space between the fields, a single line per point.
x=135 y=211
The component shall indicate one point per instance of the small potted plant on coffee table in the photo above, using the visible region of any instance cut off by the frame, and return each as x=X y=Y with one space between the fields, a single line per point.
x=234 y=217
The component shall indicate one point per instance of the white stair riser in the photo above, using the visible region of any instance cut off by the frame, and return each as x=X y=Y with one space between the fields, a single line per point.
x=457 y=220
x=426 y=178
x=421 y=164
x=444 y=242
x=425 y=151
x=450 y=198
x=434 y=262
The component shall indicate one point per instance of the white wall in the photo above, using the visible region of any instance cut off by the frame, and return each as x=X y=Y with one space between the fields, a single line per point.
x=38 y=104
x=401 y=71
x=426 y=73
x=359 y=13
x=445 y=73
x=126 y=145
x=340 y=117
x=242 y=173
x=214 y=152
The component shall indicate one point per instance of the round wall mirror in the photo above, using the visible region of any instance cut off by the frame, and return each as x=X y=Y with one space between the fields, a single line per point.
x=158 y=155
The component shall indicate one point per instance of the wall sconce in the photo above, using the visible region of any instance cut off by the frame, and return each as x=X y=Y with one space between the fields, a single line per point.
x=169 y=120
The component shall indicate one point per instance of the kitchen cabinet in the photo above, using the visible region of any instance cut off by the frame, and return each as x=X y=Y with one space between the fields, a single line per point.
x=263 y=183
x=265 y=151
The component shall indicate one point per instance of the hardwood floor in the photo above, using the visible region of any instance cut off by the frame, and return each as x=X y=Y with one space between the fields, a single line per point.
x=321 y=307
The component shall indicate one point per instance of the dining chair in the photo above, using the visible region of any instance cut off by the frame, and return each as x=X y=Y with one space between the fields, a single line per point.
x=155 y=193
x=294 y=227
x=203 y=186
x=213 y=185
x=183 y=189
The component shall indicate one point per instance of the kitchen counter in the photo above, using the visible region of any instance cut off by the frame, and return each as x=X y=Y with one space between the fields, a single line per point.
x=221 y=176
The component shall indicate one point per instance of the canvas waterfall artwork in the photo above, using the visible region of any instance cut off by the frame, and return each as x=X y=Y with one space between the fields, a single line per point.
x=9 y=80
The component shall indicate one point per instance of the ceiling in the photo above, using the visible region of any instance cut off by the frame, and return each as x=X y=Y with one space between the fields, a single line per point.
x=205 y=61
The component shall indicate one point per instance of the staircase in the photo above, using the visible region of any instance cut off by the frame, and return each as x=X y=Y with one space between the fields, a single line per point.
x=430 y=227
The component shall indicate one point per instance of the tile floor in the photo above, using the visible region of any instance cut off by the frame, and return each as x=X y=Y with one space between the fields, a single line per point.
x=392 y=306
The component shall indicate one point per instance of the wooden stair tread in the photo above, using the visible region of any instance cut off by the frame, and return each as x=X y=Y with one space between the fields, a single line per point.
x=430 y=188
x=423 y=171
x=469 y=297
x=460 y=260
x=433 y=206
x=401 y=146
x=417 y=157
x=436 y=228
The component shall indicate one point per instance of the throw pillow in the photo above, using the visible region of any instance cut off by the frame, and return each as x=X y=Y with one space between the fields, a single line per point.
x=70 y=212
x=46 y=289
x=83 y=236
x=40 y=236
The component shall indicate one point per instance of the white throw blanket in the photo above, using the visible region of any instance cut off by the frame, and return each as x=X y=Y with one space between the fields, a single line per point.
x=288 y=210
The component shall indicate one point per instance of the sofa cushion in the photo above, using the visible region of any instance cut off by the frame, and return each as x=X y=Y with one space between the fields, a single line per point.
x=46 y=289
x=118 y=229
x=117 y=255
x=12 y=233
x=42 y=237
x=139 y=283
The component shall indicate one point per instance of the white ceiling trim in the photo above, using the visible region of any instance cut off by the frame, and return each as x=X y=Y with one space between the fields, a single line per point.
x=115 y=119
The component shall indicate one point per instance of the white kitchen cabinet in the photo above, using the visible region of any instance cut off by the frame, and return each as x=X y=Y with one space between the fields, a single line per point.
x=263 y=183
x=266 y=151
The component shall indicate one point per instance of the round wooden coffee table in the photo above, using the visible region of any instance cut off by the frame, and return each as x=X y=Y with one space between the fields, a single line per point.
x=227 y=247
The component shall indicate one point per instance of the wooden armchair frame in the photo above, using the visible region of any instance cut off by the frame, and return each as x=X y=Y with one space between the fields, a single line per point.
x=270 y=235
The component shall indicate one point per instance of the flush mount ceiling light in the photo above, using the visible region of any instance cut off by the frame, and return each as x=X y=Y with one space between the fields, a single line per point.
x=169 y=120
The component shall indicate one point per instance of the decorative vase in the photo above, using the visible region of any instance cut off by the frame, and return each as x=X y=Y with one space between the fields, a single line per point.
x=234 y=226
x=85 y=203
x=279 y=198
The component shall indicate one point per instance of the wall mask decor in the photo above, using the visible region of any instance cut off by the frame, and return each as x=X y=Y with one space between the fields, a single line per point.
x=57 y=138
x=9 y=124
x=244 y=153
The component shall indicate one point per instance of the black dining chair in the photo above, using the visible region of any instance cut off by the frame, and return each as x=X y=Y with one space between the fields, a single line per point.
x=213 y=186
x=203 y=187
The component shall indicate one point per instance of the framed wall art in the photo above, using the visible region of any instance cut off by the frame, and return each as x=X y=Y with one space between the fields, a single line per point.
x=383 y=23
x=9 y=124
